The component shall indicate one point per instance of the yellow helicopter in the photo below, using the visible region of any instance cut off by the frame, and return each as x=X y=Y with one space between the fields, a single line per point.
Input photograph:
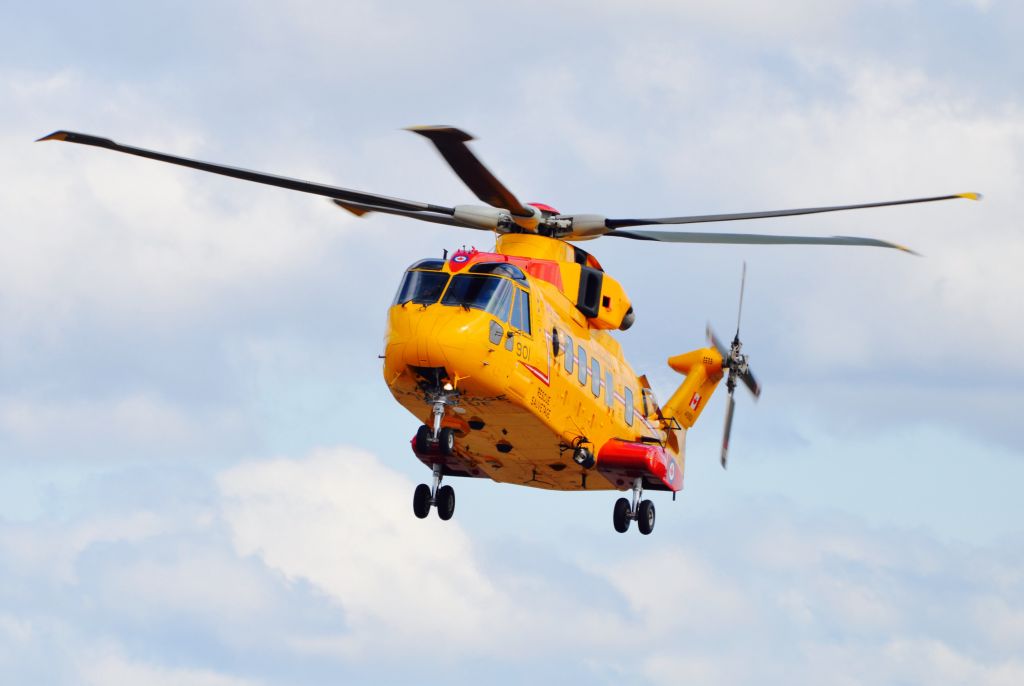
x=507 y=357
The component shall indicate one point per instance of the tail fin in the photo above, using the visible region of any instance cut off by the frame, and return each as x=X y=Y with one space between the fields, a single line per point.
x=703 y=370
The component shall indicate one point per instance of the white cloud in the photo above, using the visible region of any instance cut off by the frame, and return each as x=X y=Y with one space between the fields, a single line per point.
x=788 y=19
x=341 y=521
x=321 y=559
x=49 y=551
x=119 y=425
x=107 y=666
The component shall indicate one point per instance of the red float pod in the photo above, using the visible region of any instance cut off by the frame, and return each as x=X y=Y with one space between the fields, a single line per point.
x=623 y=461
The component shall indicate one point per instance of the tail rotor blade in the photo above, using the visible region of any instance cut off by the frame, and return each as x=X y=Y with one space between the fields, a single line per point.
x=751 y=383
x=728 y=430
x=739 y=313
x=713 y=340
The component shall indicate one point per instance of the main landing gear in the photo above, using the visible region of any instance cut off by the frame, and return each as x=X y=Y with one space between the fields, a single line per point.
x=640 y=510
x=439 y=441
x=443 y=497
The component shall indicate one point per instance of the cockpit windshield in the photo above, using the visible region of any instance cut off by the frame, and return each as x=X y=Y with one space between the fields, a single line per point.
x=422 y=288
x=489 y=293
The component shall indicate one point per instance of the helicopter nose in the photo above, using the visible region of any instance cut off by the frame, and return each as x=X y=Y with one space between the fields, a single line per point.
x=425 y=348
x=465 y=343
x=439 y=336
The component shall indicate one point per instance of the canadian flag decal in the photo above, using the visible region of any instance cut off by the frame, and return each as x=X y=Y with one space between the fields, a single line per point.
x=695 y=401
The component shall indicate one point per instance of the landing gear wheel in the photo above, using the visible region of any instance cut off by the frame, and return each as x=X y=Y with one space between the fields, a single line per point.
x=421 y=501
x=423 y=439
x=446 y=441
x=445 y=502
x=645 y=517
x=620 y=515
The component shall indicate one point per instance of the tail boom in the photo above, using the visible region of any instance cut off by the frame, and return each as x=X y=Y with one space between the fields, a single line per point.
x=703 y=370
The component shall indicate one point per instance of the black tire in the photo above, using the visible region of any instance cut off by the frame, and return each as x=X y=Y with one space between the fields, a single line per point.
x=446 y=441
x=421 y=501
x=445 y=502
x=620 y=515
x=645 y=517
x=423 y=439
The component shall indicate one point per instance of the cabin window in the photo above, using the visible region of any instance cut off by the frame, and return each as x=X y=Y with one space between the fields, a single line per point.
x=582 y=373
x=421 y=287
x=628 y=393
x=521 y=312
x=488 y=293
x=595 y=377
x=570 y=351
x=609 y=389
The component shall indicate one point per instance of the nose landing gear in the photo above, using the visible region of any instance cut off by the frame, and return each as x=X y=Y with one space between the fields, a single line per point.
x=640 y=510
x=444 y=443
x=443 y=497
x=436 y=442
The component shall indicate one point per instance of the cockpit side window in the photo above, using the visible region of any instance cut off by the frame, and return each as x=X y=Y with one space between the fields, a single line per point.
x=502 y=301
x=421 y=287
x=521 y=312
x=489 y=293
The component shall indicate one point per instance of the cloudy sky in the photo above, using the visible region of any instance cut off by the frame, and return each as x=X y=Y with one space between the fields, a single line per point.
x=205 y=481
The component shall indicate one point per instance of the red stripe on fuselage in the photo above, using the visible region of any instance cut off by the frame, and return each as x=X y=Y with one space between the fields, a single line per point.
x=545 y=379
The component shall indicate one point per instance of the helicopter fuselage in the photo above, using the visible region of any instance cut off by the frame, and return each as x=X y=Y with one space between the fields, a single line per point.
x=524 y=376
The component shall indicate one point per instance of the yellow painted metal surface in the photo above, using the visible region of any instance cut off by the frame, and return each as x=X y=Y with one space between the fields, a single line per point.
x=525 y=391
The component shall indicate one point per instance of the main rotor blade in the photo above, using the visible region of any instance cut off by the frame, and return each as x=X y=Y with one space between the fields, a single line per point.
x=753 y=239
x=451 y=143
x=728 y=430
x=259 y=177
x=359 y=209
x=696 y=219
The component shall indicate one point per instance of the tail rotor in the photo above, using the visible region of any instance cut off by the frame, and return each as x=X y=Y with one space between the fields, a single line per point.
x=738 y=369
